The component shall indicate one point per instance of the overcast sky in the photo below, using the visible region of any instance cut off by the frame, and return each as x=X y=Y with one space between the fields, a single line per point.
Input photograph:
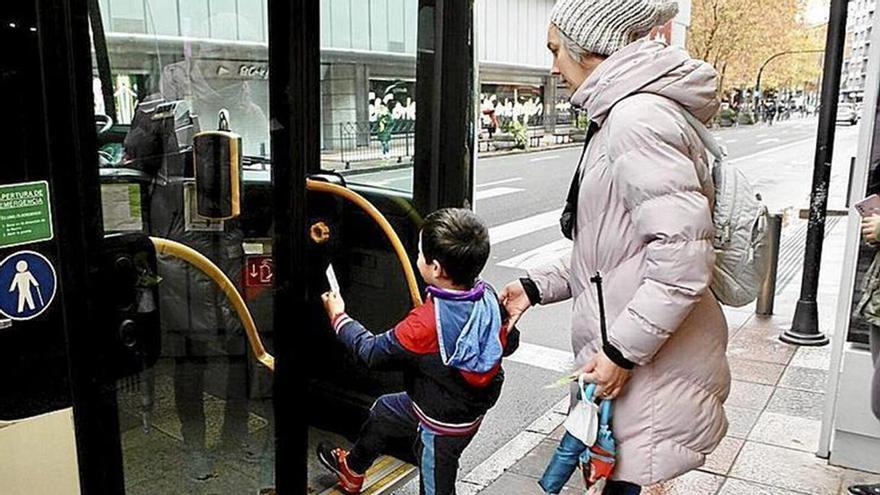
x=817 y=11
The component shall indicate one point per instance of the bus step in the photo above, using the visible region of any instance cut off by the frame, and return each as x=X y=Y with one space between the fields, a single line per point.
x=385 y=475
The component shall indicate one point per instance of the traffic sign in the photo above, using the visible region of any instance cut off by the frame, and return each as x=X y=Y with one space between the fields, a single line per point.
x=27 y=285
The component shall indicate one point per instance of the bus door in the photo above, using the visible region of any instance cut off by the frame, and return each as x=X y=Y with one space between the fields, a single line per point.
x=850 y=432
x=182 y=176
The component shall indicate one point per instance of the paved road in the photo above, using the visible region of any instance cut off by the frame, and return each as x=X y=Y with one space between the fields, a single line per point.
x=740 y=141
x=519 y=196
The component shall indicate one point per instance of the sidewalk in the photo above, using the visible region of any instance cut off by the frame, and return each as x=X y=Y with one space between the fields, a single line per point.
x=774 y=409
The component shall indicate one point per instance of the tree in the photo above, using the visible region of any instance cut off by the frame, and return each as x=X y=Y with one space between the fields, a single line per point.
x=737 y=36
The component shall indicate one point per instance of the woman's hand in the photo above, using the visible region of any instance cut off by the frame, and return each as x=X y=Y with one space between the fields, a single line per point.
x=869 y=228
x=515 y=301
x=333 y=304
x=608 y=377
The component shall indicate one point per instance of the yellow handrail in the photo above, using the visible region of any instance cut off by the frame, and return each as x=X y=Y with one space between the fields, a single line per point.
x=198 y=260
x=387 y=229
x=206 y=266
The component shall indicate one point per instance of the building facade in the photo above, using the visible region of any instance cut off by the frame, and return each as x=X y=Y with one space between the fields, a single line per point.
x=368 y=58
x=855 y=65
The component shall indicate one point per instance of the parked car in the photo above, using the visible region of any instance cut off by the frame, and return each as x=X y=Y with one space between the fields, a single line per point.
x=846 y=112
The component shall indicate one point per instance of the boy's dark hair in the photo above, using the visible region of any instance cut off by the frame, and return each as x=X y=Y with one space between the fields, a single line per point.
x=459 y=240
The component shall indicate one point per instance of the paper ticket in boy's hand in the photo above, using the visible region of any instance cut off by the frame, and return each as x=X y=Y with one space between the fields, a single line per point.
x=331 y=279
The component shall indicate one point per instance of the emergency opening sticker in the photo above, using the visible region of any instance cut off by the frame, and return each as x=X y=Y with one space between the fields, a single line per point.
x=25 y=213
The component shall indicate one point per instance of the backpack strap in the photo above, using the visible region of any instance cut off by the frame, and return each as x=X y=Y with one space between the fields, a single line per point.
x=706 y=137
x=569 y=212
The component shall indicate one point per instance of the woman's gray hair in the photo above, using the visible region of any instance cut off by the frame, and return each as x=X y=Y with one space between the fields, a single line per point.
x=575 y=51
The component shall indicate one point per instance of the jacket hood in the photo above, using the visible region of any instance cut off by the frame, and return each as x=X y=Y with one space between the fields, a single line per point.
x=648 y=66
x=468 y=328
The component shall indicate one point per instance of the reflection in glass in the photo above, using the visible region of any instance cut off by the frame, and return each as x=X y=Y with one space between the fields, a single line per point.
x=198 y=419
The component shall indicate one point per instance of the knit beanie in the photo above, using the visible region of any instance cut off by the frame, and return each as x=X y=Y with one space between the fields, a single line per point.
x=605 y=26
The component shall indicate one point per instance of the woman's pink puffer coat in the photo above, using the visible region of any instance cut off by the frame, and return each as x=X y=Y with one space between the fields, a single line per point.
x=644 y=220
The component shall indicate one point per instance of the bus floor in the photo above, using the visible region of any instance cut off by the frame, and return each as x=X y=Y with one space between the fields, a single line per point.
x=214 y=445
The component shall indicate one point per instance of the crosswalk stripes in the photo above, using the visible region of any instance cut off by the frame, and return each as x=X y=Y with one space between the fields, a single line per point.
x=539 y=256
x=543 y=357
x=495 y=192
x=544 y=158
x=518 y=228
x=499 y=182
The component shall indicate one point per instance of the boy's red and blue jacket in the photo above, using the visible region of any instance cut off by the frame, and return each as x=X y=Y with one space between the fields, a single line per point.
x=449 y=350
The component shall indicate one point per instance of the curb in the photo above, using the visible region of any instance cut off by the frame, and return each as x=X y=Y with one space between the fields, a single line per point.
x=493 y=154
x=514 y=450
x=370 y=170
x=484 y=154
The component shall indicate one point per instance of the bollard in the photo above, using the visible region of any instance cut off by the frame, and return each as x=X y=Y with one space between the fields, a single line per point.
x=767 y=294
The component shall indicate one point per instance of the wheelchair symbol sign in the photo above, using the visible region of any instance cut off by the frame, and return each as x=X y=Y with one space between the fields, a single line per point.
x=27 y=285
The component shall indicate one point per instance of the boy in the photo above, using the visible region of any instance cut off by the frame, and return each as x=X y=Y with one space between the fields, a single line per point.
x=450 y=351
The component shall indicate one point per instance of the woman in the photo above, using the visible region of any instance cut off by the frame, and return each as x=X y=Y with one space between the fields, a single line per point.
x=642 y=217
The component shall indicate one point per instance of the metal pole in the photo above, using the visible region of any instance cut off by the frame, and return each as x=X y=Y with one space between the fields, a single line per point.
x=805 y=325
x=767 y=296
x=102 y=58
x=340 y=140
x=755 y=98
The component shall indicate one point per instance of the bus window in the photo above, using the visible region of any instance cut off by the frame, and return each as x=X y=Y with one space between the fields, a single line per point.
x=181 y=109
x=163 y=343
x=368 y=83
x=185 y=120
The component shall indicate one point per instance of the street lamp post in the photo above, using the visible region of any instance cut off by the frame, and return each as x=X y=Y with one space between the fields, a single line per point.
x=805 y=325
x=766 y=62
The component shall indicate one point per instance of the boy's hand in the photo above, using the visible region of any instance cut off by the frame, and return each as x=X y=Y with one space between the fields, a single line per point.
x=333 y=304
x=514 y=299
x=869 y=228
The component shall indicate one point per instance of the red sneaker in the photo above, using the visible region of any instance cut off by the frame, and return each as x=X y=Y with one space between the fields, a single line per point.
x=334 y=460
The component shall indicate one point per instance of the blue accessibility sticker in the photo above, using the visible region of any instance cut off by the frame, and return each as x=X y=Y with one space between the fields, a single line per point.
x=27 y=285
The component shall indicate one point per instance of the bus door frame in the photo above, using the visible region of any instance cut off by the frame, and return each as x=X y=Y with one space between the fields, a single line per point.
x=294 y=97
x=840 y=349
x=65 y=64
x=443 y=167
x=443 y=176
x=447 y=92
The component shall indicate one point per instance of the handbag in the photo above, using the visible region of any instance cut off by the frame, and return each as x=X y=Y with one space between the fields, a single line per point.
x=583 y=419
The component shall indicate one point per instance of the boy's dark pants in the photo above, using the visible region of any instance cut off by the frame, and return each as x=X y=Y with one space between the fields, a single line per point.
x=394 y=429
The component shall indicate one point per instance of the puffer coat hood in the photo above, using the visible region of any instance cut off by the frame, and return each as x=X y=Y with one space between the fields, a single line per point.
x=650 y=67
x=644 y=221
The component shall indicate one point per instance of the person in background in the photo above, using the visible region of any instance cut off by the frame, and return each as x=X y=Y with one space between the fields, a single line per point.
x=771 y=112
x=383 y=130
